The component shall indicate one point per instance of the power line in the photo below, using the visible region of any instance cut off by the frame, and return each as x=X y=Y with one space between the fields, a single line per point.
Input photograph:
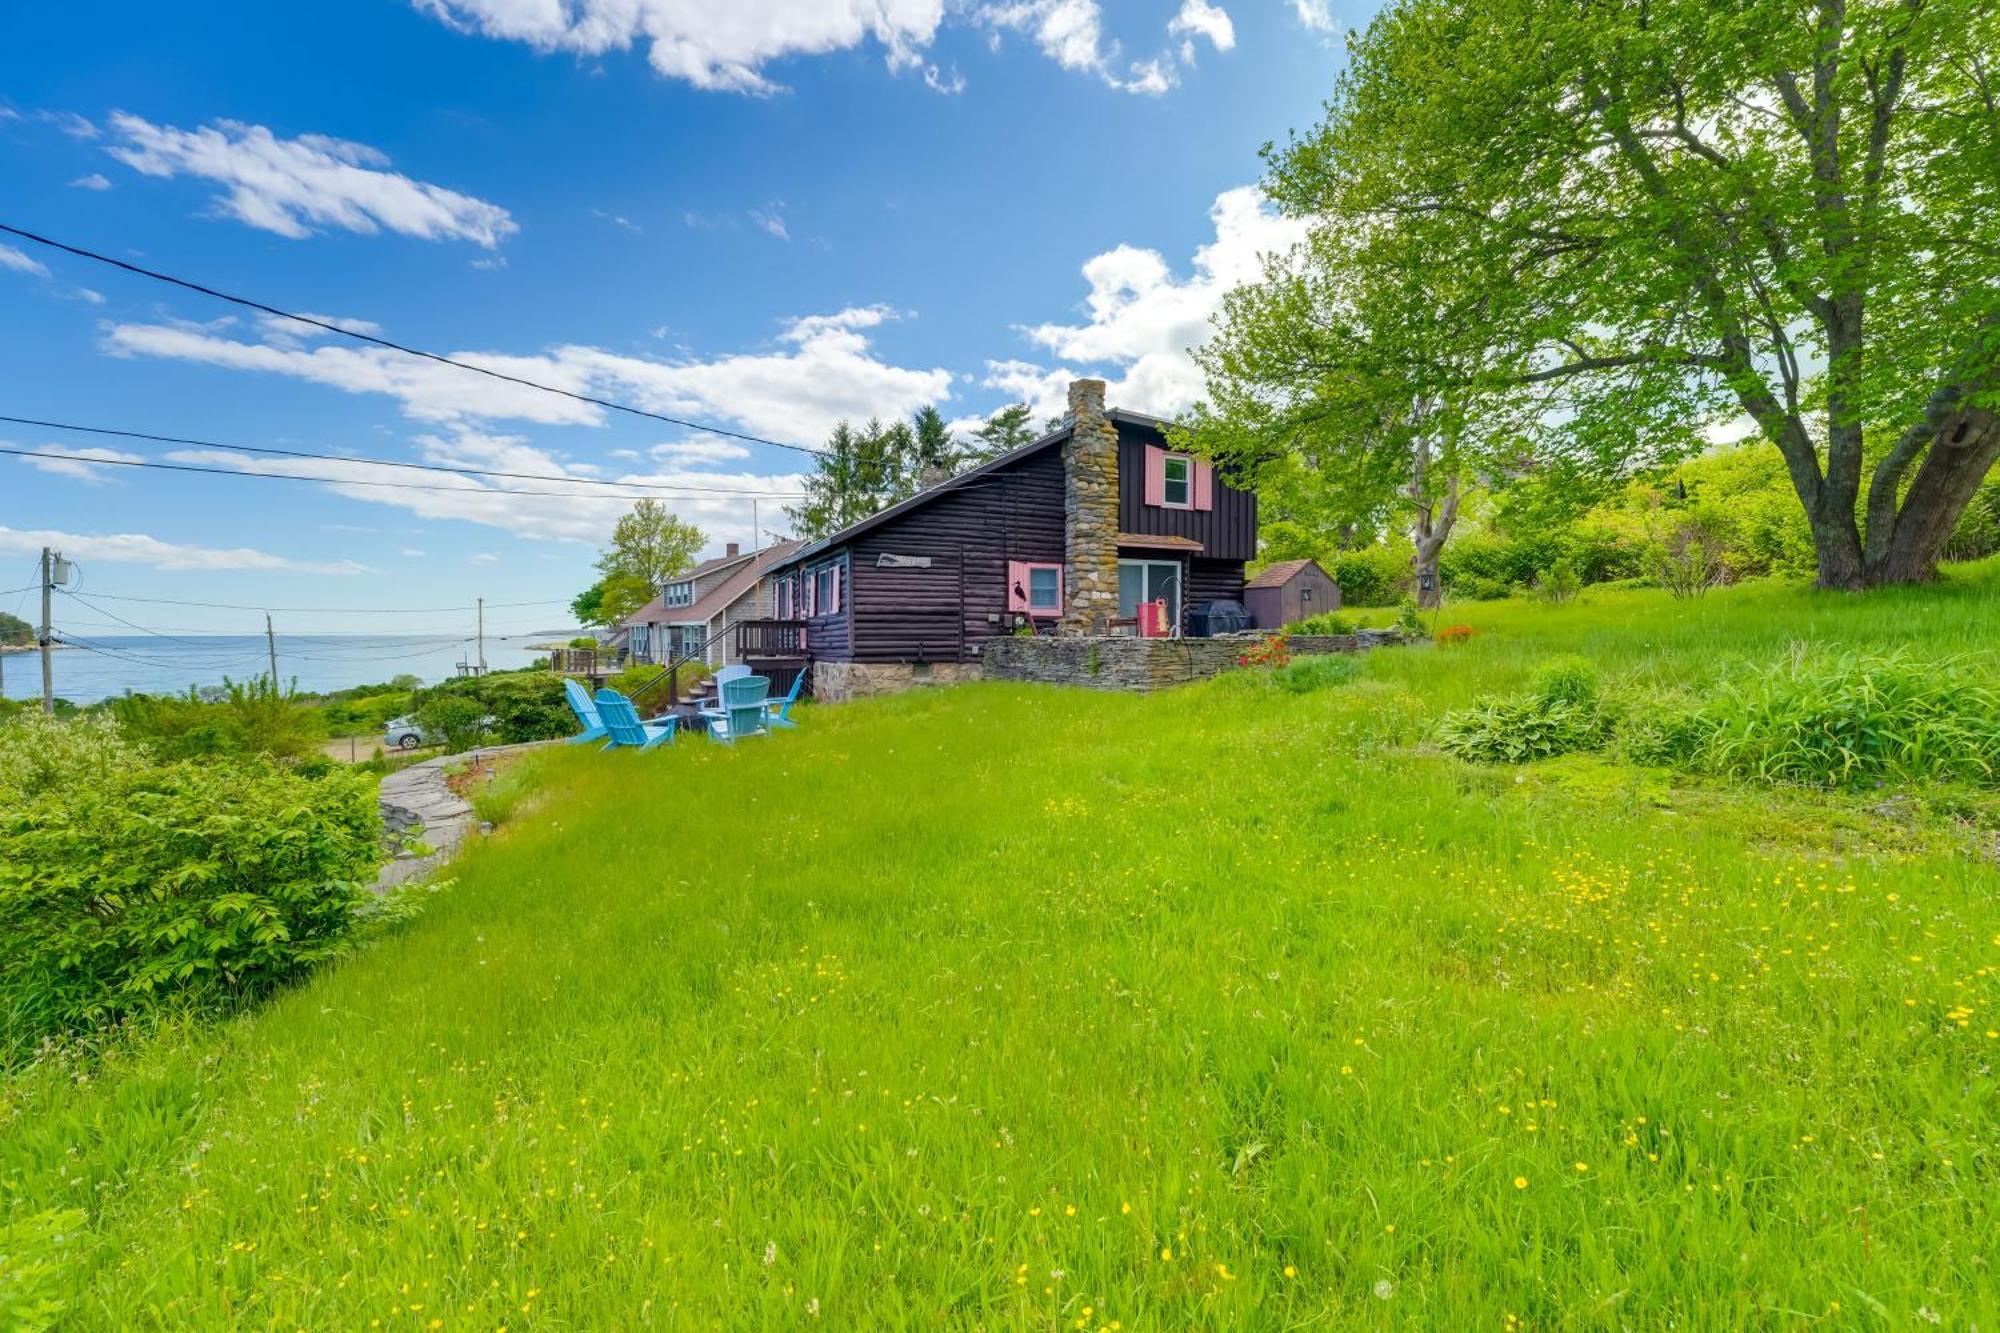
x=358 y=336
x=387 y=462
x=331 y=481
x=324 y=610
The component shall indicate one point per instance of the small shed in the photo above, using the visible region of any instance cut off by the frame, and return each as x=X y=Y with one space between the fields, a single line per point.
x=1289 y=591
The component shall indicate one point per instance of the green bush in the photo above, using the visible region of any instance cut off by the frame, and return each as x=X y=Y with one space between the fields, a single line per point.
x=1371 y=576
x=1567 y=680
x=1559 y=583
x=196 y=883
x=40 y=754
x=1848 y=720
x=524 y=706
x=242 y=719
x=1559 y=714
x=1518 y=730
x=1326 y=622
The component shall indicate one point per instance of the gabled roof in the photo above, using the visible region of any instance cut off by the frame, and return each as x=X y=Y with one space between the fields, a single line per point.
x=717 y=599
x=1278 y=575
x=922 y=498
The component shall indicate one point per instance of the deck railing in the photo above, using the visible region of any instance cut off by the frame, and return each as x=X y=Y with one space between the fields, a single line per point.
x=754 y=638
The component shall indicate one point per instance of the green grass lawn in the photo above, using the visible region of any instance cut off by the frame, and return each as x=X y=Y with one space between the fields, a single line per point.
x=1016 y=1007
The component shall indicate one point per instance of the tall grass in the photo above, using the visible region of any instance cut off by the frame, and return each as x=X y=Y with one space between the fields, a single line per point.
x=1013 y=1007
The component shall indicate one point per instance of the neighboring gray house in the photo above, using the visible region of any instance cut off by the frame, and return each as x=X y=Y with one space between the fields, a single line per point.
x=698 y=608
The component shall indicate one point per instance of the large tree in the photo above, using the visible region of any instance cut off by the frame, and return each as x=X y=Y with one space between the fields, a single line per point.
x=649 y=545
x=864 y=470
x=1009 y=428
x=1683 y=211
x=1343 y=389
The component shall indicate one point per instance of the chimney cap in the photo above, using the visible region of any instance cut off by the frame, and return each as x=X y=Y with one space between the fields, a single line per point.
x=1086 y=395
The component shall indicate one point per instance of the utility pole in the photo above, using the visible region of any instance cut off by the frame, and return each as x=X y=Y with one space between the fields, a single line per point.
x=271 y=642
x=48 y=668
x=482 y=636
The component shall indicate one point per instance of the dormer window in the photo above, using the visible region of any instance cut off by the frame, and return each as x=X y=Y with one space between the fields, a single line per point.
x=679 y=594
x=1177 y=477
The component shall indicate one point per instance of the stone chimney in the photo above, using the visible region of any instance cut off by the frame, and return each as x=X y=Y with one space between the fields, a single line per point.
x=1090 y=512
x=731 y=550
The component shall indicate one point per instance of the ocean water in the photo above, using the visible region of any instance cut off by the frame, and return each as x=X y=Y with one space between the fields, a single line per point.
x=150 y=664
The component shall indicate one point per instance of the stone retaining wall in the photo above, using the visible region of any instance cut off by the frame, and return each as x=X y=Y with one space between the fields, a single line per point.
x=837 y=682
x=1125 y=663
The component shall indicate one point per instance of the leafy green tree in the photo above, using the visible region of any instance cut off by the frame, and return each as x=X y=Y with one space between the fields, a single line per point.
x=1663 y=214
x=648 y=547
x=14 y=630
x=651 y=544
x=1009 y=428
x=611 y=599
x=858 y=473
x=934 y=454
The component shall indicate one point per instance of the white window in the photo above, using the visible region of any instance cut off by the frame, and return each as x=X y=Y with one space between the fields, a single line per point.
x=1178 y=475
x=1045 y=588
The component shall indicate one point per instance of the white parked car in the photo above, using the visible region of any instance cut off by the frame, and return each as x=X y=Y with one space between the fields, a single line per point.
x=403 y=733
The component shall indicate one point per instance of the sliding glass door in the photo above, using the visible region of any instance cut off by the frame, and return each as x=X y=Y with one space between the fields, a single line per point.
x=1150 y=581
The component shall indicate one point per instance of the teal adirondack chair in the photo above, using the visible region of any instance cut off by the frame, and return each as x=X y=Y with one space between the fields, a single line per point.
x=742 y=710
x=581 y=704
x=778 y=713
x=621 y=719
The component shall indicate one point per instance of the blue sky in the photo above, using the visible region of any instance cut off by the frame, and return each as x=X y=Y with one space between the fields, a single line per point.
x=769 y=218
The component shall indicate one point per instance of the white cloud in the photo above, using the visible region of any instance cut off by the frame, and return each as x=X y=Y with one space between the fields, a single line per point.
x=133 y=548
x=289 y=186
x=570 y=511
x=96 y=180
x=695 y=452
x=1200 y=18
x=772 y=220
x=1317 y=15
x=91 y=295
x=1071 y=33
x=823 y=368
x=1142 y=319
x=719 y=47
x=21 y=262
x=75 y=126
x=623 y=223
x=483 y=558
x=81 y=471
x=414 y=553
x=292 y=332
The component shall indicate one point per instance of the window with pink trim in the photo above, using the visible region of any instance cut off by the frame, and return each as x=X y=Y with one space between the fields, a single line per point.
x=1034 y=587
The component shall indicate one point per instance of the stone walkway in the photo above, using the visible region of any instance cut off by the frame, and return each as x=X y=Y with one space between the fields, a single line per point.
x=417 y=797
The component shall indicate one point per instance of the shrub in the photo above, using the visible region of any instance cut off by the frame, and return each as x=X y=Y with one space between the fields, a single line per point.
x=1569 y=680
x=1848 y=720
x=1326 y=622
x=40 y=754
x=1371 y=576
x=1559 y=583
x=1690 y=560
x=1320 y=671
x=1520 y=729
x=523 y=706
x=239 y=720
x=1410 y=618
x=1270 y=651
x=187 y=882
x=455 y=721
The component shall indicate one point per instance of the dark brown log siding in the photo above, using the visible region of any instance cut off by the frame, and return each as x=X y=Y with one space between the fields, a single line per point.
x=1214 y=580
x=1226 y=532
x=943 y=613
x=831 y=636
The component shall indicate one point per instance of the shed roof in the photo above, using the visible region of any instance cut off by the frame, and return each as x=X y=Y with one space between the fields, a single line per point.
x=1278 y=575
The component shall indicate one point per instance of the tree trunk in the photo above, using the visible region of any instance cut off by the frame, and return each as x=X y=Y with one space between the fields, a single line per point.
x=1965 y=450
x=1837 y=546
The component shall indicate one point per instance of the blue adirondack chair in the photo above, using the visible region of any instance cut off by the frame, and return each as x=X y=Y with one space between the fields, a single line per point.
x=778 y=713
x=742 y=710
x=621 y=719
x=581 y=704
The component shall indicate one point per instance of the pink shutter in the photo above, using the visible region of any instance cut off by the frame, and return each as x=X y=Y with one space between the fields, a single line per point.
x=809 y=594
x=1204 y=485
x=1156 y=476
x=1061 y=603
x=834 y=609
x=1017 y=585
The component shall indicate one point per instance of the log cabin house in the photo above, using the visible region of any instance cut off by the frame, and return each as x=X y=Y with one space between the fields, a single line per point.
x=1075 y=533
